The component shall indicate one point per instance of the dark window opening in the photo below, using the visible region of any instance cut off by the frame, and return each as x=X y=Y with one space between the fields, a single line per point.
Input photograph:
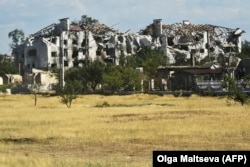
x=66 y=64
x=65 y=53
x=76 y=63
x=75 y=54
x=74 y=42
x=53 y=65
x=202 y=51
x=228 y=49
x=98 y=52
x=170 y=41
x=53 y=54
x=84 y=51
x=83 y=43
x=120 y=38
x=65 y=42
x=32 y=52
x=22 y=56
x=54 y=40
x=184 y=47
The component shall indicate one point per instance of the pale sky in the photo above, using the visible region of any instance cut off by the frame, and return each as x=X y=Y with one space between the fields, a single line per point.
x=33 y=15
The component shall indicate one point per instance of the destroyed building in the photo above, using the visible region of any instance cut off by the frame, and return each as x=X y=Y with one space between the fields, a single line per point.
x=186 y=41
x=66 y=44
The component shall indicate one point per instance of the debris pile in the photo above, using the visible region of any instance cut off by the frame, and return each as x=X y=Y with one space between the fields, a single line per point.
x=98 y=29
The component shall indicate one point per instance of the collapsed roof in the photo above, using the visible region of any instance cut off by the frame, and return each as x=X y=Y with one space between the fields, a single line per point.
x=195 y=32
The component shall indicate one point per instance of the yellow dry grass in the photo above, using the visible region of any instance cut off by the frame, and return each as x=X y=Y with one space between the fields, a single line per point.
x=123 y=132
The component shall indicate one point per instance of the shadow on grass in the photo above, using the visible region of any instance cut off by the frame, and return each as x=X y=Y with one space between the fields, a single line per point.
x=25 y=140
x=106 y=104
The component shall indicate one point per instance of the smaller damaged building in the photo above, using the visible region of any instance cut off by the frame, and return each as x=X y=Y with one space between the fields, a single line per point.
x=189 y=78
x=11 y=79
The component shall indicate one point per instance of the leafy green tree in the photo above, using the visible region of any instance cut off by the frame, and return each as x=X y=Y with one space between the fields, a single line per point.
x=245 y=50
x=149 y=59
x=7 y=66
x=17 y=37
x=89 y=75
x=87 y=20
x=112 y=78
x=3 y=88
x=94 y=73
x=77 y=75
x=234 y=93
x=131 y=79
x=69 y=92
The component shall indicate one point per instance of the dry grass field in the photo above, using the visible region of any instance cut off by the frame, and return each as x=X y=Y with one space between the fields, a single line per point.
x=115 y=131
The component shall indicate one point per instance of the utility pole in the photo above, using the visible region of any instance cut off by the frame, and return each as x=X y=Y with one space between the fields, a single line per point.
x=86 y=47
x=62 y=61
x=208 y=45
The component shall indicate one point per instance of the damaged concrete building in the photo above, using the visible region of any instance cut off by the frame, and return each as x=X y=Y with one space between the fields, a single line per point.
x=185 y=41
x=66 y=44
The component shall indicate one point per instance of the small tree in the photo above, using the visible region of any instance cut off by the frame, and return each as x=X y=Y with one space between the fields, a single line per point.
x=69 y=92
x=35 y=88
x=234 y=93
x=87 y=20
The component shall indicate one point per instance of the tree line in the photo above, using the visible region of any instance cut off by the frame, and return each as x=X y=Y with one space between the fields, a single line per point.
x=124 y=77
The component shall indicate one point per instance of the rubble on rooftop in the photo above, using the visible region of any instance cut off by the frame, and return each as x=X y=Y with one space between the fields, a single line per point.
x=193 y=40
x=99 y=29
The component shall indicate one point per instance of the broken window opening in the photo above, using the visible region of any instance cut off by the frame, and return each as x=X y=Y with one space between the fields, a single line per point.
x=170 y=41
x=32 y=52
x=74 y=42
x=184 y=47
x=65 y=42
x=84 y=51
x=98 y=52
x=66 y=64
x=228 y=49
x=53 y=65
x=75 y=54
x=75 y=63
x=65 y=53
x=54 y=40
x=53 y=54
x=120 y=38
x=129 y=50
x=83 y=43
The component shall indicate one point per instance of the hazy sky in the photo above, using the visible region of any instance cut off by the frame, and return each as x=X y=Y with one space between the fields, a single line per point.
x=33 y=15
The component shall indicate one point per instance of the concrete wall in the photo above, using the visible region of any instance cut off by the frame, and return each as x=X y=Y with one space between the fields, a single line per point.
x=1 y=80
x=36 y=55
